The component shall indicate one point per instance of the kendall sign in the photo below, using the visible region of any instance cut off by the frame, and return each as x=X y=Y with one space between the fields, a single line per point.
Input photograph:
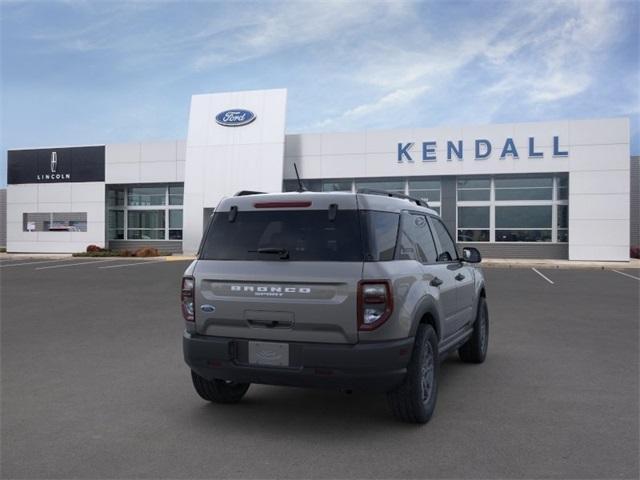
x=482 y=147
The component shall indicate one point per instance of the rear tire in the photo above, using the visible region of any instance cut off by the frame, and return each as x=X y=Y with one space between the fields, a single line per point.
x=474 y=350
x=415 y=399
x=219 y=391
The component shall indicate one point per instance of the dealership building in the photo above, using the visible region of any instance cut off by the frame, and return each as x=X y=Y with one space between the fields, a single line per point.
x=561 y=189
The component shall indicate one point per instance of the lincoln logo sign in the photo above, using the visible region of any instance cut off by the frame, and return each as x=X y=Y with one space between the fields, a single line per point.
x=54 y=175
x=482 y=150
x=235 y=118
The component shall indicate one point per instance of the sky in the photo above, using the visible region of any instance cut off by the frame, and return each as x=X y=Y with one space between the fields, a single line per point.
x=81 y=72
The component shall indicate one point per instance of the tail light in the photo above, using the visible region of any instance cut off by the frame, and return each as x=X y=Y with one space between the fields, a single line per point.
x=186 y=298
x=375 y=303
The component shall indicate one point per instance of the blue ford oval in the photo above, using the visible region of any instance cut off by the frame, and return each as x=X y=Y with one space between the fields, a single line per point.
x=235 y=118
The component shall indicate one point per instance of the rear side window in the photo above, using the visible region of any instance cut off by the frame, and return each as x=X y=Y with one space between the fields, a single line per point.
x=380 y=232
x=416 y=241
x=447 y=251
x=306 y=235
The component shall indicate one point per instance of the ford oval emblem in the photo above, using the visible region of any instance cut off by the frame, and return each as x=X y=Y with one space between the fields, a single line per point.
x=208 y=308
x=235 y=118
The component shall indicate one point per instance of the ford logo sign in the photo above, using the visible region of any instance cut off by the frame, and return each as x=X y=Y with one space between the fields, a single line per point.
x=208 y=308
x=235 y=118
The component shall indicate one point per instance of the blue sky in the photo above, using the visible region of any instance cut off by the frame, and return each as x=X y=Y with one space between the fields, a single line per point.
x=91 y=72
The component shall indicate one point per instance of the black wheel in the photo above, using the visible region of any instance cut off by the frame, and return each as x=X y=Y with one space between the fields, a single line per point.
x=415 y=399
x=219 y=391
x=474 y=350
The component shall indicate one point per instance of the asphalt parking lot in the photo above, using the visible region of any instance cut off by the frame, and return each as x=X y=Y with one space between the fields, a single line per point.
x=94 y=386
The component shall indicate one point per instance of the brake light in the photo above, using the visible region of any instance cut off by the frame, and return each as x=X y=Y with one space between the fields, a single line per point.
x=187 y=298
x=282 y=204
x=375 y=303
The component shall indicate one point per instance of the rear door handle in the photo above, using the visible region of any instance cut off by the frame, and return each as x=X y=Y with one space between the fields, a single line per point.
x=436 y=282
x=459 y=277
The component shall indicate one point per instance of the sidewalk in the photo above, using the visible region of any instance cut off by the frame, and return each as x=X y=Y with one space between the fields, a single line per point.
x=561 y=264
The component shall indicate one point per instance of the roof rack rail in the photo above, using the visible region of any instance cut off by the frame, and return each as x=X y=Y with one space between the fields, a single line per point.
x=371 y=191
x=244 y=193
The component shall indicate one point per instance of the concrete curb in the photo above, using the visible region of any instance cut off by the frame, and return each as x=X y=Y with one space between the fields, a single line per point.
x=558 y=264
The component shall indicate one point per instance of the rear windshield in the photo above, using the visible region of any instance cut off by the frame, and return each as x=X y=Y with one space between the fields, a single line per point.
x=284 y=235
x=308 y=236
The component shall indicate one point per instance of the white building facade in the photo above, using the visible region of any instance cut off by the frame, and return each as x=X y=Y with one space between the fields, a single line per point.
x=524 y=190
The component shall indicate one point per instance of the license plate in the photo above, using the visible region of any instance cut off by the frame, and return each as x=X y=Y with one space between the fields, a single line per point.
x=269 y=353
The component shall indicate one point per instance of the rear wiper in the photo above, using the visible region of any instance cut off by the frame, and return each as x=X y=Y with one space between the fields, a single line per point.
x=283 y=252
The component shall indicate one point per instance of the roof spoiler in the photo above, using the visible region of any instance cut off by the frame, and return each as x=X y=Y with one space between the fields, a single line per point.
x=244 y=193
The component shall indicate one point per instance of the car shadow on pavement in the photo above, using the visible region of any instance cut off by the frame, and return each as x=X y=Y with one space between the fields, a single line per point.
x=299 y=411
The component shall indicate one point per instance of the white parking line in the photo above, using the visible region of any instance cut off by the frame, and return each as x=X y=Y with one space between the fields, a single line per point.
x=34 y=263
x=80 y=263
x=546 y=278
x=626 y=274
x=141 y=262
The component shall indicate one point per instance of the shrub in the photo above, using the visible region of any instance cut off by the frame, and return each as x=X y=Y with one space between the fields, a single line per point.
x=94 y=248
x=635 y=251
x=146 y=252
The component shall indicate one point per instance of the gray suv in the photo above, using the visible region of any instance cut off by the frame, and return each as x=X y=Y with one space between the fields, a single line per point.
x=360 y=291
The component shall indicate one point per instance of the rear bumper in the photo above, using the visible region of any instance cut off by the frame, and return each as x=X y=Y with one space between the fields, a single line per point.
x=375 y=366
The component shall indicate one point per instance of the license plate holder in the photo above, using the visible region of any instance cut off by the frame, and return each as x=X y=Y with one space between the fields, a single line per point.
x=270 y=354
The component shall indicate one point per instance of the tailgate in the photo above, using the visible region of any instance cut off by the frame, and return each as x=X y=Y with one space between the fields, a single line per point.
x=280 y=301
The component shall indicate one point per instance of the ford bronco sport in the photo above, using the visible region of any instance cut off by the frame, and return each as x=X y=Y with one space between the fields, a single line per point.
x=346 y=290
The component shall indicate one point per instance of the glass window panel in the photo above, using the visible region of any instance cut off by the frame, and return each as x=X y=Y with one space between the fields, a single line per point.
x=336 y=185
x=474 y=183
x=529 y=216
x=523 y=235
x=145 y=219
x=426 y=195
x=176 y=195
x=424 y=184
x=563 y=235
x=474 y=195
x=524 y=193
x=116 y=234
x=175 y=218
x=54 y=222
x=473 y=217
x=563 y=216
x=468 y=235
x=523 y=182
x=289 y=185
x=390 y=185
x=116 y=219
x=175 y=234
x=115 y=197
x=145 y=234
x=143 y=196
x=563 y=181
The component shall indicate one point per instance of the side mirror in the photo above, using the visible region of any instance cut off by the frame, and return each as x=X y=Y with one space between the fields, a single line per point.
x=471 y=255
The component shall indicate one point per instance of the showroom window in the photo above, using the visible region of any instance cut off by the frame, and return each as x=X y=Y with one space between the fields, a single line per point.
x=510 y=208
x=524 y=188
x=474 y=224
x=525 y=223
x=474 y=189
x=148 y=212
x=395 y=185
x=54 y=222
x=427 y=190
